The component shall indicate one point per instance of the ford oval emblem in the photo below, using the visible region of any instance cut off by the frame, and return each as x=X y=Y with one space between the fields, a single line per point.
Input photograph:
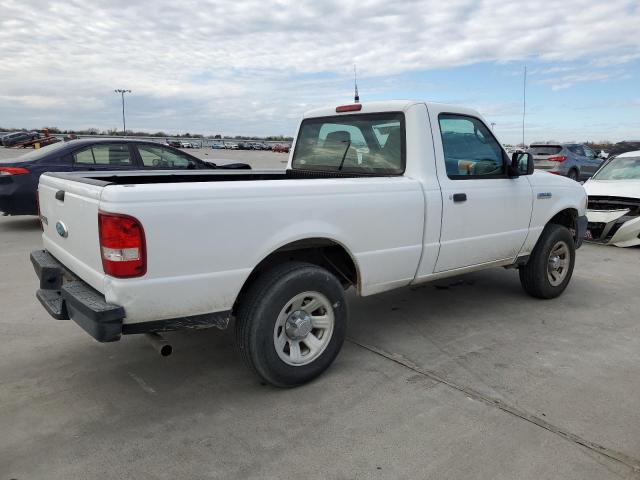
x=61 y=228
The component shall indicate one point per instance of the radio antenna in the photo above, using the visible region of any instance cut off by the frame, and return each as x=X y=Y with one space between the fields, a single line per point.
x=356 y=97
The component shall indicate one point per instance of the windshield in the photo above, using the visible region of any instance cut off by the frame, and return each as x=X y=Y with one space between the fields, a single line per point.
x=544 y=149
x=621 y=168
x=368 y=143
x=38 y=153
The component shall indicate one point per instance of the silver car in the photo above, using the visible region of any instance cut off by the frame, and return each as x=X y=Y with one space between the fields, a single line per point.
x=572 y=160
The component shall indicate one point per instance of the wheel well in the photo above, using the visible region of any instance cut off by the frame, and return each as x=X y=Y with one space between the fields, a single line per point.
x=318 y=251
x=568 y=218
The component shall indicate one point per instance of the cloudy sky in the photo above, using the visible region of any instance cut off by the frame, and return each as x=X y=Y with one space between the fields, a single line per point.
x=252 y=67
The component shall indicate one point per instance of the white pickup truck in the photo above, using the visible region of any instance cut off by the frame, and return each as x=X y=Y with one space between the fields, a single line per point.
x=376 y=196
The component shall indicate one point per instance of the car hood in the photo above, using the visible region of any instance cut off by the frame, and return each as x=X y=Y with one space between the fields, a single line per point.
x=613 y=188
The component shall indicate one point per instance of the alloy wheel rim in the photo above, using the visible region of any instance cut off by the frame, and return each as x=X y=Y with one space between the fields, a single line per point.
x=558 y=263
x=304 y=328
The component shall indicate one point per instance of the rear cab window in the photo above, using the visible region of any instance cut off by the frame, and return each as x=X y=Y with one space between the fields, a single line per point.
x=43 y=152
x=372 y=144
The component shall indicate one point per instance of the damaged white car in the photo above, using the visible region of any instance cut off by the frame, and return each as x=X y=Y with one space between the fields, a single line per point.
x=614 y=202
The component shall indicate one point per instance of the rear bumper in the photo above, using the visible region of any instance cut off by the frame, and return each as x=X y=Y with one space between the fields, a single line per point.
x=66 y=297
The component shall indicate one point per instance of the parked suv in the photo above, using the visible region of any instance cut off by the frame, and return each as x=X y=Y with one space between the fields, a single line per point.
x=573 y=160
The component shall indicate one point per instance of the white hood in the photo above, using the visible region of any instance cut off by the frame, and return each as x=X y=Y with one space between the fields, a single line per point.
x=613 y=188
x=540 y=178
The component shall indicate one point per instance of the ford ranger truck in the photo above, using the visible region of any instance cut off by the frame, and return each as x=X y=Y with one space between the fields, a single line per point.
x=375 y=196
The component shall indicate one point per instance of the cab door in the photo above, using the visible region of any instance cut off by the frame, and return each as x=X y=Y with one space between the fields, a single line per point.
x=485 y=214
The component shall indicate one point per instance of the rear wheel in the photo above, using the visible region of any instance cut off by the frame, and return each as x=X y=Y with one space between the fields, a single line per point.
x=573 y=174
x=550 y=266
x=292 y=323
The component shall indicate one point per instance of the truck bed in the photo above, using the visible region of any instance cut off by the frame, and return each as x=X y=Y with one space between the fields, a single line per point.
x=191 y=219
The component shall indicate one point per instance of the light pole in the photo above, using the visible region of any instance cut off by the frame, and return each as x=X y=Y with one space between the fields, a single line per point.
x=493 y=124
x=124 y=123
x=524 y=101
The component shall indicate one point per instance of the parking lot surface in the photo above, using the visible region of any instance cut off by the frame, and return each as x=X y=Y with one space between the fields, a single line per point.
x=464 y=378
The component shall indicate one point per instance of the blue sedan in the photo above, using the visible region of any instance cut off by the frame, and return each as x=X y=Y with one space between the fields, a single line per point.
x=19 y=179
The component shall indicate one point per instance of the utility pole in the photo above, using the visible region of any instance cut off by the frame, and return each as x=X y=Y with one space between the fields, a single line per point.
x=524 y=102
x=124 y=122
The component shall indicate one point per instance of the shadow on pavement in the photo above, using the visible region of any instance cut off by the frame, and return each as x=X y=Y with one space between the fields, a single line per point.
x=20 y=224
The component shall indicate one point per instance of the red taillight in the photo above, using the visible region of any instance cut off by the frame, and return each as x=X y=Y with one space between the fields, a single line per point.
x=353 y=107
x=13 y=171
x=559 y=158
x=122 y=245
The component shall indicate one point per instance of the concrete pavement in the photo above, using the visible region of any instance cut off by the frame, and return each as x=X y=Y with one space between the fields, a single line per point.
x=73 y=408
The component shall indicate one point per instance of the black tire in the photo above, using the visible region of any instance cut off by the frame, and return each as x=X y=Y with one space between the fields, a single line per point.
x=573 y=174
x=260 y=308
x=534 y=275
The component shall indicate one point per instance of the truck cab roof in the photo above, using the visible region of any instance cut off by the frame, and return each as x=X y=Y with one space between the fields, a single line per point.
x=386 y=106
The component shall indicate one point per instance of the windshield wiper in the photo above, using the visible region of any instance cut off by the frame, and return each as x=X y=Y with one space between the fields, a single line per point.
x=344 y=156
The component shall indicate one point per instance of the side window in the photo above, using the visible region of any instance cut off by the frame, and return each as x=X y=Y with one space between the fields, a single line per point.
x=470 y=150
x=577 y=149
x=588 y=152
x=160 y=157
x=84 y=157
x=103 y=155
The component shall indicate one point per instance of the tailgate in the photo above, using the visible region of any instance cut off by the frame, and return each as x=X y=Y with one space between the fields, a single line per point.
x=542 y=162
x=70 y=222
x=542 y=153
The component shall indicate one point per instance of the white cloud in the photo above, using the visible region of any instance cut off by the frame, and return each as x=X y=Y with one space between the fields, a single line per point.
x=242 y=64
x=572 y=76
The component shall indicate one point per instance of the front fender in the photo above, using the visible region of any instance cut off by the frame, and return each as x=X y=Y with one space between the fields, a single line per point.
x=551 y=196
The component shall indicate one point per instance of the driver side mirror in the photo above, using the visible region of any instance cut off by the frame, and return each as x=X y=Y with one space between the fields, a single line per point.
x=521 y=164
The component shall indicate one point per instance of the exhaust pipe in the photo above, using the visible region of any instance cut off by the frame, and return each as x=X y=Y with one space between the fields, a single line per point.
x=159 y=344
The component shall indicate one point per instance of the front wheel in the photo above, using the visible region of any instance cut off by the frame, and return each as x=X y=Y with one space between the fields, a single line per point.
x=549 y=269
x=292 y=323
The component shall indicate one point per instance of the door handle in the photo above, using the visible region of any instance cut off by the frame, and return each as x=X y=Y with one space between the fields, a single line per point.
x=459 y=197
